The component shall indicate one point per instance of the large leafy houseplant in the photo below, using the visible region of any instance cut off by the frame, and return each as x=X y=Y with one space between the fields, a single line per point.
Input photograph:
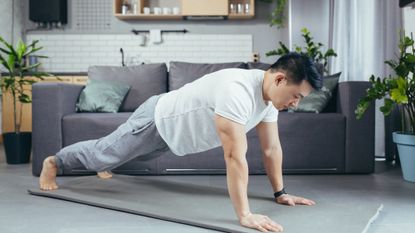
x=311 y=48
x=15 y=83
x=398 y=90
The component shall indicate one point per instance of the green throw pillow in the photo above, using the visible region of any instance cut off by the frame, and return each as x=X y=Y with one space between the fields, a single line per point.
x=101 y=96
x=316 y=101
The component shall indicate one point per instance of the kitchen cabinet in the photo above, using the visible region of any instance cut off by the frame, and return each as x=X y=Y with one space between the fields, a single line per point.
x=230 y=9
x=205 y=8
x=7 y=104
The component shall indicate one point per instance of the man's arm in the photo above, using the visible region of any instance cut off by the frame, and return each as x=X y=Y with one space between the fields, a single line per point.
x=272 y=156
x=271 y=153
x=233 y=138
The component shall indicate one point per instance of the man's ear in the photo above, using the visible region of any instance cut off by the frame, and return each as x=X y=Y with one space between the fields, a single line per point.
x=279 y=77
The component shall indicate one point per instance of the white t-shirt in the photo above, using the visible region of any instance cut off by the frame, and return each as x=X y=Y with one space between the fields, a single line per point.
x=185 y=118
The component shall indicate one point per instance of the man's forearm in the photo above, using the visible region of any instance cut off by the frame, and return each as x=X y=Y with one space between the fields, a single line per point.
x=237 y=178
x=273 y=167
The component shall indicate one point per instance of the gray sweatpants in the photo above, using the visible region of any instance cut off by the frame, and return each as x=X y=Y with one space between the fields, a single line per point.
x=138 y=136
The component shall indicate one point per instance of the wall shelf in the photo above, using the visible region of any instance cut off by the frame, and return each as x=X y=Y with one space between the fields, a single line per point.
x=187 y=8
x=147 y=17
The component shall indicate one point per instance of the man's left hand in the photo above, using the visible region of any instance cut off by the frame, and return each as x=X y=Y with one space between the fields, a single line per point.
x=287 y=199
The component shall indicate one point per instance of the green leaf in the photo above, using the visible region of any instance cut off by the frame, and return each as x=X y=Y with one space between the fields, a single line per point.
x=272 y=53
x=27 y=81
x=41 y=56
x=24 y=98
x=393 y=64
x=9 y=46
x=398 y=94
x=33 y=51
x=408 y=42
x=361 y=108
x=31 y=67
x=5 y=51
x=21 y=49
x=11 y=62
x=5 y=64
x=386 y=109
x=401 y=70
x=283 y=47
x=410 y=58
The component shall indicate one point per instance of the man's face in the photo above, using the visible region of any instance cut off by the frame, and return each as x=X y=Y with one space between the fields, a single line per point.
x=285 y=94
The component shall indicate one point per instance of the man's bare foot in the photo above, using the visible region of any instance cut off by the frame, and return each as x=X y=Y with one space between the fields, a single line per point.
x=104 y=175
x=47 y=180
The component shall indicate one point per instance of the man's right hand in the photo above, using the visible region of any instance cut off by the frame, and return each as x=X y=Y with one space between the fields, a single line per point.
x=260 y=222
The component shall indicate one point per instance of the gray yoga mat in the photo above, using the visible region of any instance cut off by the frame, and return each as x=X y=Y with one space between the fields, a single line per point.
x=208 y=207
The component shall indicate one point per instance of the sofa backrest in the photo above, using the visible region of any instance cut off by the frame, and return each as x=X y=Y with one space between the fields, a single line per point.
x=181 y=73
x=145 y=81
x=258 y=65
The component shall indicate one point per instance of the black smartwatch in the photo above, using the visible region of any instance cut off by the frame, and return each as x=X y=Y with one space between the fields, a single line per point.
x=279 y=193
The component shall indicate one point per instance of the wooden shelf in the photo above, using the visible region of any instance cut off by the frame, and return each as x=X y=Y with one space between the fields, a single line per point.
x=240 y=16
x=149 y=16
x=188 y=8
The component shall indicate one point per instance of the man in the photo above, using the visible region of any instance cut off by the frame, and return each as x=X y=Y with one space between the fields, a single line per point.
x=215 y=110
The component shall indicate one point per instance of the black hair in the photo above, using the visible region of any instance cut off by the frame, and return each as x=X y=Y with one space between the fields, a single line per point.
x=298 y=67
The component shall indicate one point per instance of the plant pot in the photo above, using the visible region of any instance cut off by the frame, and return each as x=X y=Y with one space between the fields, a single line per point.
x=18 y=147
x=406 y=149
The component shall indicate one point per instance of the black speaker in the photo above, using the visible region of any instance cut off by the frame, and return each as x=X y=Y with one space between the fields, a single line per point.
x=48 y=11
x=403 y=3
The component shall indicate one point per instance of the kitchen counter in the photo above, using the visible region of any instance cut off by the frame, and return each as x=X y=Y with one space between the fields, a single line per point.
x=60 y=74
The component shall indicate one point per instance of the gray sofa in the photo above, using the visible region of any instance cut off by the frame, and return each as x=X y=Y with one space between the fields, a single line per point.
x=329 y=142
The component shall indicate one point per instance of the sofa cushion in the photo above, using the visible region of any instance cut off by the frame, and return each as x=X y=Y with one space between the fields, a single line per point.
x=86 y=126
x=145 y=81
x=101 y=96
x=181 y=73
x=312 y=141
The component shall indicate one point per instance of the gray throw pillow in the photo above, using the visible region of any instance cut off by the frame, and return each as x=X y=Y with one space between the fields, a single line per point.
x=101 y=96
x=316 y=101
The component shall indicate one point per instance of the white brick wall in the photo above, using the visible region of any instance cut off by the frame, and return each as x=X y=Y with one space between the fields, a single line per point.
x=75 y=53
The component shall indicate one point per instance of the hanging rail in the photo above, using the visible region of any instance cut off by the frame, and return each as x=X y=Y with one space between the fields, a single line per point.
x=162 y=31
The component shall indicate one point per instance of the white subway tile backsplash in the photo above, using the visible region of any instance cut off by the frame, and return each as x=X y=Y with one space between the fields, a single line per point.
x=79 y=43
x=106 y=37
x=75 y=53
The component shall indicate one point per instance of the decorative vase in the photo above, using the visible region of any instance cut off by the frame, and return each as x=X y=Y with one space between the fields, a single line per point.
x=406 y=149
x=18 y=147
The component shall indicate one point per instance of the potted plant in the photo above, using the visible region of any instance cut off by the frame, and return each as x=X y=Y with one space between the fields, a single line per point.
x=17 y=144
x=398 y=90
x=277 y=16
x=312 y=49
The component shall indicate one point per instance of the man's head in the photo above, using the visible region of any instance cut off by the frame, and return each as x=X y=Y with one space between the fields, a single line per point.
x=290 y=79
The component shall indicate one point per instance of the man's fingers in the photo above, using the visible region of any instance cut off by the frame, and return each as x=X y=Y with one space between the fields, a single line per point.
x=271 y=228
x=261 y=228
x=291 y=202
x=304 y=201
x=274 y=225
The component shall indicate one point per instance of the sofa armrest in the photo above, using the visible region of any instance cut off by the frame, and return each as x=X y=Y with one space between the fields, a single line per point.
x=51 y=101
x=360 y=134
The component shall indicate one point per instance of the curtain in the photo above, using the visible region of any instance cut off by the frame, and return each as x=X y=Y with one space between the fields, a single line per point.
x=365 y=34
